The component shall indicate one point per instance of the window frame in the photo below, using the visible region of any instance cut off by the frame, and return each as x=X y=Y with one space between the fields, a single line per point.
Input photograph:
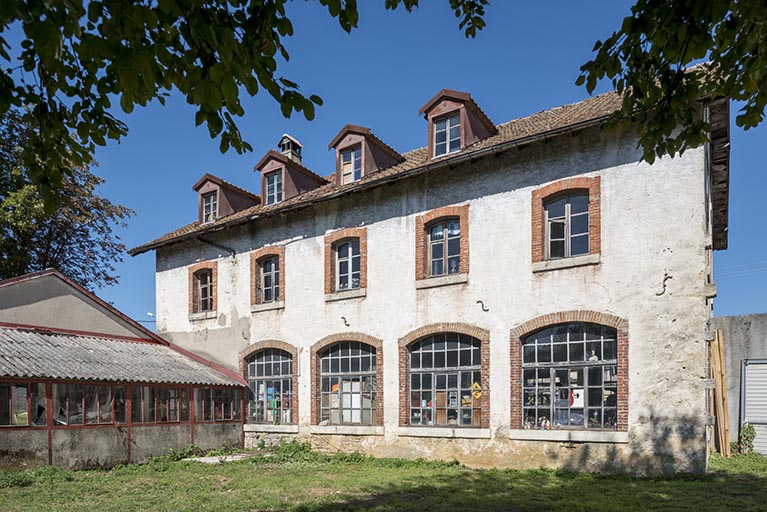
x=584 y=370
x=567 y=221
x=467 y=397
x=205 y=290
x=348 y=256
x=209 y=206
x=447 y=119
x=368 y=388
x=273 y=275
x=445 y=244
x=355 y=160
x=274 y=185
x=252 y=365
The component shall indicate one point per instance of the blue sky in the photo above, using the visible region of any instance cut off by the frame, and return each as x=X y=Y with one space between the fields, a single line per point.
x=524 y=61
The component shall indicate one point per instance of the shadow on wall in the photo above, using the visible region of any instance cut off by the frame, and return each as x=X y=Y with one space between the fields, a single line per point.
x=658 y=445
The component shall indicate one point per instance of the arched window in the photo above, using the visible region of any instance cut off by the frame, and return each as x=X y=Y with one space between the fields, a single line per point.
x=567 y=225
x=348 y=384
x=270 y=380
x=445 y=381
x=569 y=377
x=444 y=247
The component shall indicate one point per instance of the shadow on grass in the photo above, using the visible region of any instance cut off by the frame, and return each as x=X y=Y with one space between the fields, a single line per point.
x=557 y=490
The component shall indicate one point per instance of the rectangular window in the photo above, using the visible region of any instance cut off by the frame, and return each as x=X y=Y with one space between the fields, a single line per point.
x=13 y=405
x=217 y=404
x=38 y=404
x=270 y=279
x=273 y=187
x=445 y=248
x=447 y=134
x=348 y=265
x=567 y=226
x=351 y=165
x=204 y=279
x=209 y=207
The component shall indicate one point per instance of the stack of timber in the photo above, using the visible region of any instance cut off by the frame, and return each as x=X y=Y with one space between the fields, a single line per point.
x=719 y=375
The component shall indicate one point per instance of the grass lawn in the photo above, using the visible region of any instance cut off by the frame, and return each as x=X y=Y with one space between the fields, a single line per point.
x=293 y=478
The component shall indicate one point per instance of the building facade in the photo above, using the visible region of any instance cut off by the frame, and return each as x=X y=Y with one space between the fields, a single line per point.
x=82 y=385
x=523 y=295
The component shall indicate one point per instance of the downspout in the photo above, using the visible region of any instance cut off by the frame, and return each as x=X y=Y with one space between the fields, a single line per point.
x=231 y=251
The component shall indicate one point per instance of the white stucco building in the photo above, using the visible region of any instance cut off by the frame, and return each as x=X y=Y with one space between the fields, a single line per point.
x=522 y=295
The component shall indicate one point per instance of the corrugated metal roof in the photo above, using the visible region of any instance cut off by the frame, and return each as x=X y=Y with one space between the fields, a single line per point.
x=28 y=353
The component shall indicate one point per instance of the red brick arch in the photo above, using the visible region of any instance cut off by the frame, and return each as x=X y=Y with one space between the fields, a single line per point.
x=314 y=370
x=483 y=335
x=621 y=327
x=254 y=348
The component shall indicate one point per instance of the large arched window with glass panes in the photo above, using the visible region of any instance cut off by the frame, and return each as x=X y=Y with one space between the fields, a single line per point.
x=348 y=384
x=446 y=381
x=270 y=379
x=570 y=377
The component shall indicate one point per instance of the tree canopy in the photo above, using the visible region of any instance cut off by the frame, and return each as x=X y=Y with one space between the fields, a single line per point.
x=652 y=60
x=77 y=237
x=78 y=56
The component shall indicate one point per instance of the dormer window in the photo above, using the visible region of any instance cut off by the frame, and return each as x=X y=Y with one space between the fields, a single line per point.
x=209 y=207
x=273 y=187
x=351 y=165
x=455 y=122
x=447 y=134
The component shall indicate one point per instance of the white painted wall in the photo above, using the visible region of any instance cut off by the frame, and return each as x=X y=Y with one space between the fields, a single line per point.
x=652 y=224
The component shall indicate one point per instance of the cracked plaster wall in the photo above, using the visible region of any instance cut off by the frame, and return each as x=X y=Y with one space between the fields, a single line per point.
x=653 y=232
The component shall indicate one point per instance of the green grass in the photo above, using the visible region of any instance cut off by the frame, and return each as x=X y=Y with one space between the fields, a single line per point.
x=294 y=478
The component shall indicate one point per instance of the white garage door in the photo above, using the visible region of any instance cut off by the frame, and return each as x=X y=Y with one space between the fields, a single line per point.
x=754 y=400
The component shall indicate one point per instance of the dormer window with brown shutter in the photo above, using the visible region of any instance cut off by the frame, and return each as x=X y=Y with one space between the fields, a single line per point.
x=447 y=134
x=282 y=174
x=455 y=122
x=351 y=165
x=359 y=153
x=273 y=182
x=218 y=198
x=209 y=207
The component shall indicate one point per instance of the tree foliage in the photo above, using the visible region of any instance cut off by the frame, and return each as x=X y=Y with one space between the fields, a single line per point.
x=77 y=57
x=652 y=58
x=76 y=237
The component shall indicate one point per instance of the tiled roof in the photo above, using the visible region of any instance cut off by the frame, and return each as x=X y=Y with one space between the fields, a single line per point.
x=543 y=124
x=32 y=353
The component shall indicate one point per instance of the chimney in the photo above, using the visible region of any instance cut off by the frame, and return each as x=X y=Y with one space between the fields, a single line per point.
x=290 y=147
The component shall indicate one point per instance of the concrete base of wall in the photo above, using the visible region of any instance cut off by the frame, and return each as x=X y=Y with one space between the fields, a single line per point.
x=600 y=452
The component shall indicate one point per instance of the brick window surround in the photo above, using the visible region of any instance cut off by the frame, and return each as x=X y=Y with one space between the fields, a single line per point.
x=314 y=370
x=256 y=258
x=552 y=191
x=422 y=223
x=331 y=240
x=257 y=347
x=193 y=299
x=406 y=341
x=621 y=327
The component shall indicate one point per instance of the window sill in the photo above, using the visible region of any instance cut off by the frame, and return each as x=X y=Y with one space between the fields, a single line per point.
x=346 y=294
x=263 y=427
x=434 y=282
x=267 y=306
x=582 y=436
x=349 y=430
x=206 y=315
x=577 y=261
x=445 y=432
